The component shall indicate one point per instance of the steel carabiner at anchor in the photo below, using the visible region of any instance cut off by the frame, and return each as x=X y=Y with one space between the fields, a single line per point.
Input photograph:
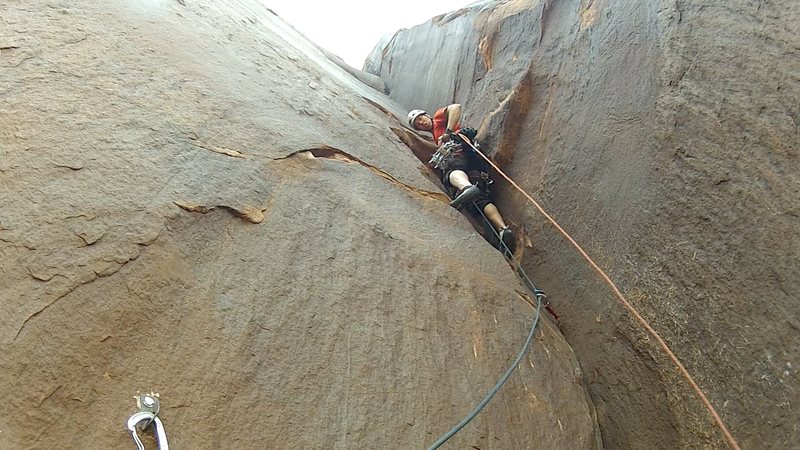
x=146 y=416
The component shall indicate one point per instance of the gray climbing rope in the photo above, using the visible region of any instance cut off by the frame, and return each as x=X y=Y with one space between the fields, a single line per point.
x=497 y=386
x=539 y=296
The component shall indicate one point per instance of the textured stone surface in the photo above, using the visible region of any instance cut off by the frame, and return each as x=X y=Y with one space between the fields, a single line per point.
x=165 y=224
x=664 y=136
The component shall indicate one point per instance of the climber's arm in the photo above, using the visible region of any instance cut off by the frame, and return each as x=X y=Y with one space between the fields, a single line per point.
x=453 y=116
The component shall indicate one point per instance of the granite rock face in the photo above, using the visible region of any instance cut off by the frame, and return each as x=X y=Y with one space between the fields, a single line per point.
x=195 y=200
x=664 y=137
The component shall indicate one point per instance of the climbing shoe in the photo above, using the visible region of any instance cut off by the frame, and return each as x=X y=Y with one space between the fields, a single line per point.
x=465 y=195
x=507 y=237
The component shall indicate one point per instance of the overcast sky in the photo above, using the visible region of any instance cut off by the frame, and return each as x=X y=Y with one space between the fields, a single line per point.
x=351 y=28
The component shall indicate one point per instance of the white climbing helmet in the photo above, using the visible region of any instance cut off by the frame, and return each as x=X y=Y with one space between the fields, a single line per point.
x=412 y=116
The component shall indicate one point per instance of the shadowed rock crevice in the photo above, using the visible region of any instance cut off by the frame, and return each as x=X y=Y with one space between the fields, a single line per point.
x=422 y=148
x=341 y=156
x=380 y=107
x=251 y=214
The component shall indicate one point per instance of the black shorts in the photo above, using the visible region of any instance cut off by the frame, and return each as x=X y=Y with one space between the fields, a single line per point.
x=457 y=162
x=460 y=162
x=482 y=200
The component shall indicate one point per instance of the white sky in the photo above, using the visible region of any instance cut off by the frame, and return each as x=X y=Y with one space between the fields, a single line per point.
x=351 y=28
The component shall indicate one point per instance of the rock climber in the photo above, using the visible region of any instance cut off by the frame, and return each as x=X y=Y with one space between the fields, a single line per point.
x=464 y=173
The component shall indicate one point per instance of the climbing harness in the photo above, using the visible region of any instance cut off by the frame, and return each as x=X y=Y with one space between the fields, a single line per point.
x=147 y=415
x=443 y=154
x=723 y=428
x=485 y=183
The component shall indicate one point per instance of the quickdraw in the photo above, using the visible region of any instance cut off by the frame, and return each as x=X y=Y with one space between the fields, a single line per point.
x=147 y=415
x=546 y=303
x=443 y=154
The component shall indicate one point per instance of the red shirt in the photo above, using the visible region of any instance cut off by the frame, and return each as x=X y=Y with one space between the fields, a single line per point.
x=440 y=124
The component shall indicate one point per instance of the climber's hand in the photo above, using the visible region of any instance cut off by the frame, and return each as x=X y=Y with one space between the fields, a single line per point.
x=469 y=133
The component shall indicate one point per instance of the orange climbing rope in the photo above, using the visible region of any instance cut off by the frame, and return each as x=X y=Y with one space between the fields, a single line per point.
x=625 y=302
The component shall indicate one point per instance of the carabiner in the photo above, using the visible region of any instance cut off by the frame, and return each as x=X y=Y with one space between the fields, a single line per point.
x=148 y=405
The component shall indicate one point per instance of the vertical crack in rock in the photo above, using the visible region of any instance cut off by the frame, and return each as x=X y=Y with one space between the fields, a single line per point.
x=589 y=12
x=509 y=117
x=485 y=48
x=552 y=88
x=489 y=22
x=543 y=18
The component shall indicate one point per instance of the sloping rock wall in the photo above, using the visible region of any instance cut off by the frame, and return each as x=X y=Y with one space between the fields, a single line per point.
x=194 y=200
x=664 y=137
